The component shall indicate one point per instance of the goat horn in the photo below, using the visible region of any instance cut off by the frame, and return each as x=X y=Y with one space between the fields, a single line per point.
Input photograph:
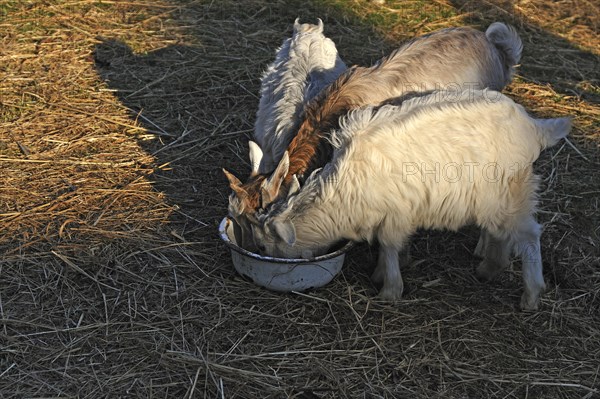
x=294 y=186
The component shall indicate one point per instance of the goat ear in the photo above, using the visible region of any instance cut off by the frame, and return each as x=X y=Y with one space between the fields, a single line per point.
x=320 y=25
x=286 y=231
x=235 y=184
x=272 y=185
x=233 y=181
x=256 y=155
x=294 y=186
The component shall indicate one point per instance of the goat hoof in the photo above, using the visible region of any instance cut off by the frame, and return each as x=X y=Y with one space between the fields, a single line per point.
x=485 y=271
x=530 y=302
x=390 y=294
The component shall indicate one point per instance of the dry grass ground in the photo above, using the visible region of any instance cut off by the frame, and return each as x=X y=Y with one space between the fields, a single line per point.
x=115 y=120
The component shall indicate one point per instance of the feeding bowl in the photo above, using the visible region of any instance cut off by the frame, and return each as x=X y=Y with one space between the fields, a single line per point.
x=281 y=274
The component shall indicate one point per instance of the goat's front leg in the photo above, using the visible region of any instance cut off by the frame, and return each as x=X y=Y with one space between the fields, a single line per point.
x=388 y=270
x=403 y=260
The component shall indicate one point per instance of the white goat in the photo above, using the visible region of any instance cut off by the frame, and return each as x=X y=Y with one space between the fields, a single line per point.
x=304 y=64
x=440 y=161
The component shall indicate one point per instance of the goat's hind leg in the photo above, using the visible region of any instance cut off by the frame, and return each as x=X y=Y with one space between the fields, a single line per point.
x=528 y=248
x=481 y=244
x=495 y=250
x=379 y=273
x=525 y=240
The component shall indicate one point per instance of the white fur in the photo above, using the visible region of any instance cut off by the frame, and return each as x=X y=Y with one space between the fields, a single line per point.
x=395 y=170
x=304 y=64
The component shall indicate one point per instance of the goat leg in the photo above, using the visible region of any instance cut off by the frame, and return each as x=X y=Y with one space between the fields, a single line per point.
x=389 y=267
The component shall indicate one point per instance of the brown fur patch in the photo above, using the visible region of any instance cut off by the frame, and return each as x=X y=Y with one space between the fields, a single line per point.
x=252 y=187
x=310 y=150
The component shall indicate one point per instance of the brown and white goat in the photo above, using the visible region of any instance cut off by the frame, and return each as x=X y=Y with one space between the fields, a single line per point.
x=428 y=163
x=453 y=58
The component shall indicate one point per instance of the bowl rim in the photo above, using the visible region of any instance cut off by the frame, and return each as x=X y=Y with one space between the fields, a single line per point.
x=223 y=233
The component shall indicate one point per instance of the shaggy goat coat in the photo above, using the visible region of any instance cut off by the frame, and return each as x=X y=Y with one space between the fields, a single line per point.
x=453 y=58
x=303 y=66
x=428 y=163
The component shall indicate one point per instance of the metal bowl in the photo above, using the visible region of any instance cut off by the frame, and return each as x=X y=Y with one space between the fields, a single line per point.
x=281 y=274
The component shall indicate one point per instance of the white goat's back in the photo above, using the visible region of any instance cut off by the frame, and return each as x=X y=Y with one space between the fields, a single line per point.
x=303 y=66
x=486 y=115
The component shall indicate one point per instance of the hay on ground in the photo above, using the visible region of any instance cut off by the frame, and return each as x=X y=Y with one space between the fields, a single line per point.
x=116 y=118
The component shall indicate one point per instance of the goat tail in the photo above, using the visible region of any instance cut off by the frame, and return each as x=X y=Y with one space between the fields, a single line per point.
x=507 y=41
x=550 y=131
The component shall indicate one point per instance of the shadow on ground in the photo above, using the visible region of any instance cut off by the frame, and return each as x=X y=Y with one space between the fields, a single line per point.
x=198 y=101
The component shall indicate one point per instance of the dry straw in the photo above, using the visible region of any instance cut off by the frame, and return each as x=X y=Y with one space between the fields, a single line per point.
x=116 y=118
